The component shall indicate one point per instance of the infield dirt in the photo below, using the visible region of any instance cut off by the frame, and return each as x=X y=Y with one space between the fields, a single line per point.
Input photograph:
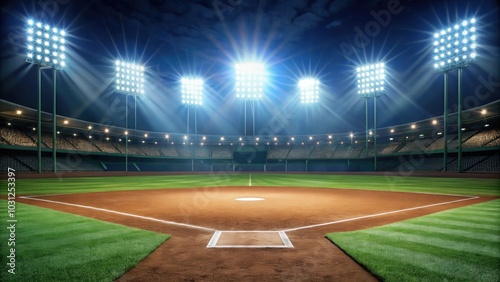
x=185 y=257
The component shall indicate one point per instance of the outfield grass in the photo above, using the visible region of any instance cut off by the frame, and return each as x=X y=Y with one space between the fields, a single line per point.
x=57 y=246
x=461 y=186
x=455 y=245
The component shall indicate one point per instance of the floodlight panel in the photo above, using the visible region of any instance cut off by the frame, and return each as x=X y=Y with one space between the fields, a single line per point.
x=371 y=79
x=455 y=46
x=192 y=91
x=309 y=90
x=250 y=81
x=129 y=78
x=45 y=45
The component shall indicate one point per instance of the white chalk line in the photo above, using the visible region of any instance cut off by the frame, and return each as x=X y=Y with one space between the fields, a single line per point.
x=250 y=180
x=125 y=214
x=377 y=214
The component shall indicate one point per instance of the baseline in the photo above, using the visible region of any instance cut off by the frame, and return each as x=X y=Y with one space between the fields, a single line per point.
x=123 y=213
x=378 y=214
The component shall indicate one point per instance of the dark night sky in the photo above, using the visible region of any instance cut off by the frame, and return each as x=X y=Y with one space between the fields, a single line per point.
x=206 y=38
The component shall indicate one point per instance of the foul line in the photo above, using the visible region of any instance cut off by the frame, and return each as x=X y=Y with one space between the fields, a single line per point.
x=375 y=215
x=125 y=214
x=250 y=180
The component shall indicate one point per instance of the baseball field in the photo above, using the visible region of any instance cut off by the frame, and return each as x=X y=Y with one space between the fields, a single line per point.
x=250 y=227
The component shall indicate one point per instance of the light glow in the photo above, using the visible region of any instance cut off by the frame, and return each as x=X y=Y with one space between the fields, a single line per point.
x=129 y=78
x=463 y=39
x=38 y=36
x=371 y=79
x=192 y=91
x=250 y=80
x=309 y=90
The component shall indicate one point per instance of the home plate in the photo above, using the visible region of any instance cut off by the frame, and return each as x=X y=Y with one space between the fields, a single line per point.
x=250 y=239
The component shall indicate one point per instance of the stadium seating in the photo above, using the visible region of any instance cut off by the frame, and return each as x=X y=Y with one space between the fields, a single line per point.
x=340 y=156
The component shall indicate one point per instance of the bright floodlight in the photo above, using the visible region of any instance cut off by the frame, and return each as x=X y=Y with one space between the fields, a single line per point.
x=455 y=47
x=309 y=90
x=371 y=79
x=129 y=78
x=250 y=80
x=192 y=91
x=46 y=45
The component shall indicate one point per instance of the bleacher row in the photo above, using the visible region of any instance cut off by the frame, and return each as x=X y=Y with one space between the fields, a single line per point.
x=471 y=139
x=12 y=136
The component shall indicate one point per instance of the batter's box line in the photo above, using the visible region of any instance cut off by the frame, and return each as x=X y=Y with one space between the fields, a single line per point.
x=287 y=244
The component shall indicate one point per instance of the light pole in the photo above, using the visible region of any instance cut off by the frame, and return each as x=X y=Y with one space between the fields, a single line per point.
x=371 y=83
x=250 y=87
x=454 y=48
x=46 y=47
x=129 y=80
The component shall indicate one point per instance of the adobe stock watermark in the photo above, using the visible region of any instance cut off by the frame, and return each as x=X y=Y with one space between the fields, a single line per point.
x=222 y=7
x=11 y=220
x=486 y=87
x=364 y=35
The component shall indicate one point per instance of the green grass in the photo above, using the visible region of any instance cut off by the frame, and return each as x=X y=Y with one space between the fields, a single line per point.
x=456 y=245
x=57 y=246
x=462 y=186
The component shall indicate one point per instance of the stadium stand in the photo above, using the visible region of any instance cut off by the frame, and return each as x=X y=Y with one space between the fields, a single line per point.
x=479 y=145
x=415 y=145
x=326 y=151
x=105 y=146
x=184 y=151
x=343 y=151
x=201 y=152
x=390 y=148
x=299 y=152
x=16 y=137
x=149 y=149
x=168 y=151
x=221 y=152
x=82 y=144
x=278 y=152
x=482 y=138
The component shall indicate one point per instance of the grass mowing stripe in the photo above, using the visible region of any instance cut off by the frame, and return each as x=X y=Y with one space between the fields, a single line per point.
x=466 y=226
x=403 y=184
x=57 y=246
x=453 y=231
x=399 y=251
x=439 y=241
x=484 y=219
x=456 y=268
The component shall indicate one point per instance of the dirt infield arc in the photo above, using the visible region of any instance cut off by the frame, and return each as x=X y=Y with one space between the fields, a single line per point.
x=304 y=214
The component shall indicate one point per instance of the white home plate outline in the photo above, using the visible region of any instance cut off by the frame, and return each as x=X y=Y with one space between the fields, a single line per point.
x=287 y=244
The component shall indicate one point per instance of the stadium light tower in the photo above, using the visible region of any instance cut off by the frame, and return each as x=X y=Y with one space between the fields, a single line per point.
x=250 y=87
x=454 y=48
x=192 y=96
x=46 y=48
x=309 y=90
x=129 y=81
x=371 y=80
